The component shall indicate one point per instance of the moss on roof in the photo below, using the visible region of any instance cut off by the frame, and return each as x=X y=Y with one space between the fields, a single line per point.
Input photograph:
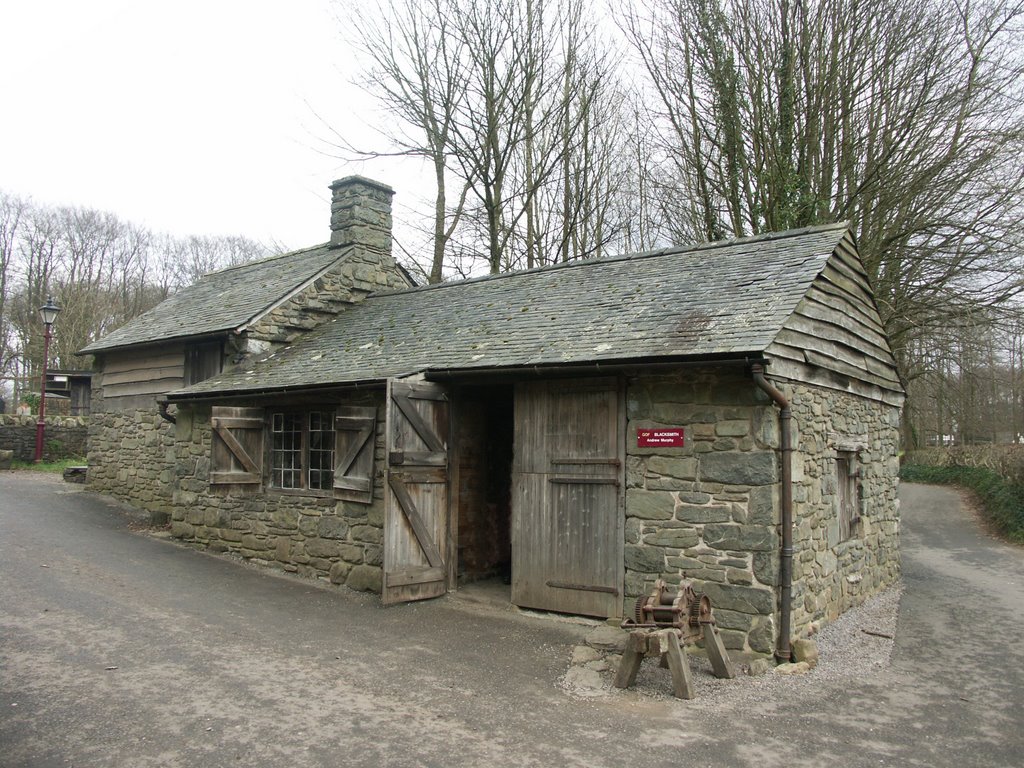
x=717 y=299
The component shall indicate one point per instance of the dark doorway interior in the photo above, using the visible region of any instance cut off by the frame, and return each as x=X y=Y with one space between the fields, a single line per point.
x=484 y=431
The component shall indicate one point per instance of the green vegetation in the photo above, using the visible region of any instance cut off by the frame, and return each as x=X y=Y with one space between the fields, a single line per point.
x=1002 y=500
x=50 y=466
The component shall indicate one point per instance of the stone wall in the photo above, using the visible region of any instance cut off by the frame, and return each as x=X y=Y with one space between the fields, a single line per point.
x=131 y=457
x=829 y=575
x=709 y=511
x=65 y=436
x=312 y=535
x=361 y=272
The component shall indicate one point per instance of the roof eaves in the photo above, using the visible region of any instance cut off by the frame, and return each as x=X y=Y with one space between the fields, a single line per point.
x=736 y=357
x=189 y=395
x=211 y=334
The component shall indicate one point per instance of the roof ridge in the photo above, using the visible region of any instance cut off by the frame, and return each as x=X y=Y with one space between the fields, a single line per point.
x=267 y=259
x=762 y=237
x=634 y=255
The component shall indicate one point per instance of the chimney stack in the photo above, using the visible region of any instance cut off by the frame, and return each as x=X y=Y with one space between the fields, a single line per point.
x=361 y=213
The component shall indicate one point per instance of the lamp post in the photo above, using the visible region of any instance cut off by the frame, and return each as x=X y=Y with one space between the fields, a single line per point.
x=48 y=312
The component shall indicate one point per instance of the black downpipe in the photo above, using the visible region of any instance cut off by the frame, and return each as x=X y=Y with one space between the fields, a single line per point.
x=163 y=412
x=782 y=651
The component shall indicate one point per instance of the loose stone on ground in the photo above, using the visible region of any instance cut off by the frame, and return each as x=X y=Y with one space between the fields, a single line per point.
x=838 y=653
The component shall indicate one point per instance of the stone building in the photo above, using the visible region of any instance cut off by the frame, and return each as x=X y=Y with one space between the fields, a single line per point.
x=219 y=322
x=727 y=413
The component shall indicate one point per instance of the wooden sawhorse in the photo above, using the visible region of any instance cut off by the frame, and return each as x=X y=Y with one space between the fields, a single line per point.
x=665 y=642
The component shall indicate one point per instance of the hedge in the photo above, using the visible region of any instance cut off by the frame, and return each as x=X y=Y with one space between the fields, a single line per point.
x=1002 y=500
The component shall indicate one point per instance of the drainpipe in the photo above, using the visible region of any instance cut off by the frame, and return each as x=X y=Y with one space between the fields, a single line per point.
x=782 y=651
x=163 y=412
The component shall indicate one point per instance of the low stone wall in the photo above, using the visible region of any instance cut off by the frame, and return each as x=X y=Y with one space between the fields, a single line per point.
x=311 y=535
x=131 y=457
x=65 y=436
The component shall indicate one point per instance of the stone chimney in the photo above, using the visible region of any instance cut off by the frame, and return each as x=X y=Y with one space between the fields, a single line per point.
x=361 y=213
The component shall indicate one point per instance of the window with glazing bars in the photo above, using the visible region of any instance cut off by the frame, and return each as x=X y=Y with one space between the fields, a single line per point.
x=321 y=450
x=302 y=450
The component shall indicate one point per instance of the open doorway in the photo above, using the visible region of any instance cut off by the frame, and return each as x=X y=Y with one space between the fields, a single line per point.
x=484 y=428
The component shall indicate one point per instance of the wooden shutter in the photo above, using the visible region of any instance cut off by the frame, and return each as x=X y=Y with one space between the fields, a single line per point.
x=417 y=533
x=355 y=428
x=237 y=453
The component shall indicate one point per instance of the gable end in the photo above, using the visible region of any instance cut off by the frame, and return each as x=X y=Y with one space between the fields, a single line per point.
x=835 y=337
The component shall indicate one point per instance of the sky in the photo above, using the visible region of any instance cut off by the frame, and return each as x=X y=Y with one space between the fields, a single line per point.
x=207 y=117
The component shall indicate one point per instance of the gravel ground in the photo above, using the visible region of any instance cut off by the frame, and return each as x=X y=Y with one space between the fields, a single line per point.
x=846 y=652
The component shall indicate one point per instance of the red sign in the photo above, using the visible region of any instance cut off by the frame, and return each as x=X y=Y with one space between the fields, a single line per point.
x=666 y=437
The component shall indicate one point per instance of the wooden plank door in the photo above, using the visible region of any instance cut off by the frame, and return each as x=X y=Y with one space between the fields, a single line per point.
x=567 y=522
x=417 y=533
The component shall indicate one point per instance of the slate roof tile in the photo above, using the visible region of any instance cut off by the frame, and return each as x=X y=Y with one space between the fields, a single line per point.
x=223 y=300
x=721 y=298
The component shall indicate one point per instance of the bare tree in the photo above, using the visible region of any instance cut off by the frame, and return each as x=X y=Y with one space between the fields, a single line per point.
x=516 y=104
x=101 y=270
x=417 y=71
x=904 y=116
x=12 y=213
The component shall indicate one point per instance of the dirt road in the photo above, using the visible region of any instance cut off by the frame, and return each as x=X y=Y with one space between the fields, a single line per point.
x=119 y=649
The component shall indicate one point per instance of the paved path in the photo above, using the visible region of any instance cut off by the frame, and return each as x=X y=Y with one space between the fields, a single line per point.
x=118 y=649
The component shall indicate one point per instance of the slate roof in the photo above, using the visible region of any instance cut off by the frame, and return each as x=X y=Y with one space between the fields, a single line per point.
x=222 y=301
x=728 y=298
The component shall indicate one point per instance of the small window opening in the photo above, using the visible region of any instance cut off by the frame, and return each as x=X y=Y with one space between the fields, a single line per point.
x=202 y=361
x=848 y=475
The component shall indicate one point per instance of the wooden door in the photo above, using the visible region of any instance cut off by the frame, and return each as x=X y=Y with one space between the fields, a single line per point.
x=417 y=534
x=567 y=521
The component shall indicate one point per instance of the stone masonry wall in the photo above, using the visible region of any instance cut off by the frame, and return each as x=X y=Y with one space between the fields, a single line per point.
x=131 y=456
x=710 y=511
x=131 y=453
x=311 y=535
x=829 y=575
x=362 y=272
x=65 y=436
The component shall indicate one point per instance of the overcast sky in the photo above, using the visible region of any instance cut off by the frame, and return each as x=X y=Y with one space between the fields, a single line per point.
x=191 y=117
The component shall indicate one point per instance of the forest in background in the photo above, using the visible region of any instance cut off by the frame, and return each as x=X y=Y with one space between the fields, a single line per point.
x=101 y=270
x=569 y=130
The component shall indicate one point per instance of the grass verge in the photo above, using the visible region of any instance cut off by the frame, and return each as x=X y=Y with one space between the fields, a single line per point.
x=50 y=466
x=1002 y=502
